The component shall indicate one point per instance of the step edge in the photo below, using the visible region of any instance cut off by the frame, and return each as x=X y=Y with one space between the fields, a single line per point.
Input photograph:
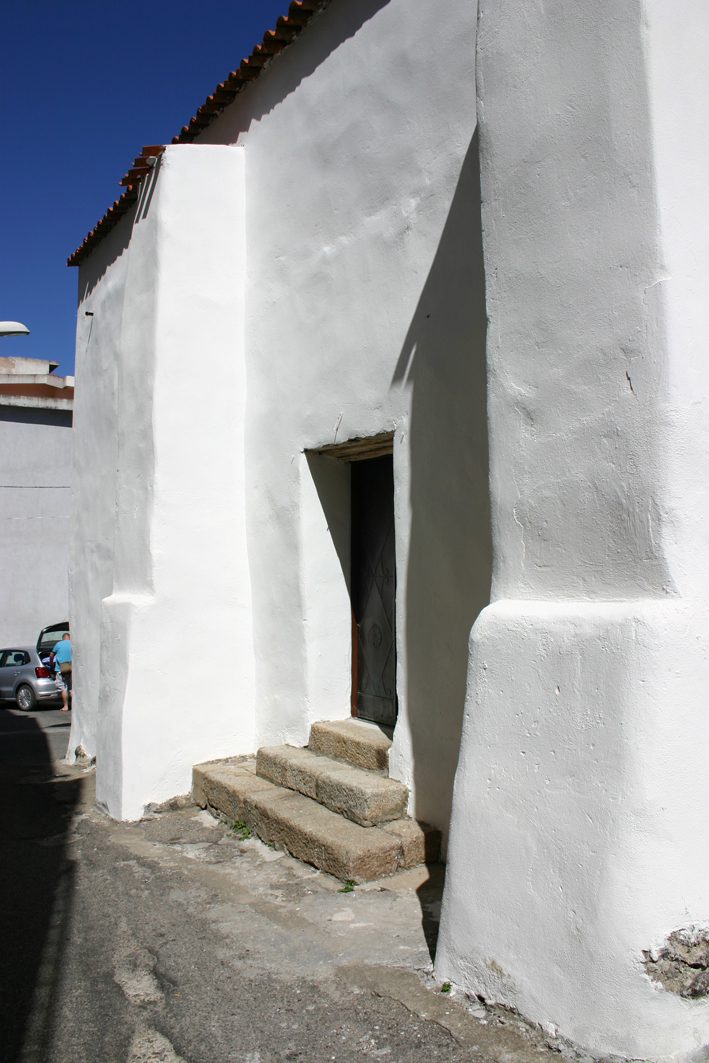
x=318 y=785
x=335 y=763
x=375 y=756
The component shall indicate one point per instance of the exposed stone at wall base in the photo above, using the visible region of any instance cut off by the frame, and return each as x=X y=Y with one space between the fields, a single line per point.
x=682 y=964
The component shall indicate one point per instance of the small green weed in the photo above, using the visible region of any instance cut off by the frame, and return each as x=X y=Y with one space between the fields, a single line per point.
x=446 y=987
x=240 y=829
x=348 y=887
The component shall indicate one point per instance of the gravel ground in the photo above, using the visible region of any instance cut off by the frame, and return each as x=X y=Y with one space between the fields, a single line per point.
x=173 y=939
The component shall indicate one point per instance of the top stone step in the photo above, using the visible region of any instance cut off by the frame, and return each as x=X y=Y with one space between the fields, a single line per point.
x=364 y=745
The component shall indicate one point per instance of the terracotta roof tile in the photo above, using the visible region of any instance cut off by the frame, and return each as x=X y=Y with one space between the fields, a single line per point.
x=288 y=27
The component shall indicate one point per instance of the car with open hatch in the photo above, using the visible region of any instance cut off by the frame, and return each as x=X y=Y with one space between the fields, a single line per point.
x=50 y=636
x=24 y=679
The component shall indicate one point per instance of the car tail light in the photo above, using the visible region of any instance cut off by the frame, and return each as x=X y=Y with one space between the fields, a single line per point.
x=42 y=672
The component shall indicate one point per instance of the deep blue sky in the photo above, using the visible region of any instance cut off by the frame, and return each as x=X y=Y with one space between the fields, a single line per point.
x=83 y=85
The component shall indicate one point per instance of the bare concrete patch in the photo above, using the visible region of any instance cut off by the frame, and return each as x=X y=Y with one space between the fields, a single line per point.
x=149 y=1046
x=173 y=804
x=133 y=972
x=681 y=965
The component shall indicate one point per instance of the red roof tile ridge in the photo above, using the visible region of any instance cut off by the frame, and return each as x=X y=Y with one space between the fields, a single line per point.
x=288 y=27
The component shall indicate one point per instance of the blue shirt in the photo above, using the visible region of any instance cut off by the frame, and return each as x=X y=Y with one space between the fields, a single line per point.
x=62 y=651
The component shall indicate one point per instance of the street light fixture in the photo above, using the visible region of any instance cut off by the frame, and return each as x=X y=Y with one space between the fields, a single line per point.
x=13 y=328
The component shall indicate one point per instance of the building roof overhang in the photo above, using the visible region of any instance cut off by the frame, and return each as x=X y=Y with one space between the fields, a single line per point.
x=31 y=382
x=288 y=28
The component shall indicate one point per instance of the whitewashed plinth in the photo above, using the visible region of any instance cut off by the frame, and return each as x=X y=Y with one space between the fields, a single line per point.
x=579 y=828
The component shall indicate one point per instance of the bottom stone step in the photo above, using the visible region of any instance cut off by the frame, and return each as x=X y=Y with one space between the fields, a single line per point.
x=308 y=830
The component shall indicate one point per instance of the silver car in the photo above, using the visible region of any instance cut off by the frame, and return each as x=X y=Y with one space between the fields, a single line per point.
x=24 y=679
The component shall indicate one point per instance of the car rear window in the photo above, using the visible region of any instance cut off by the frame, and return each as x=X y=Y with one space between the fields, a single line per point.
x=53 y=635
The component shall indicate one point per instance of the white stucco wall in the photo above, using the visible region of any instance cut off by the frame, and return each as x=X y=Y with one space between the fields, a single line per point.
x=176 y=651
x=365 y=313
x=324 y=585
x=576 y=830
x=35 y=503
x=98 y=338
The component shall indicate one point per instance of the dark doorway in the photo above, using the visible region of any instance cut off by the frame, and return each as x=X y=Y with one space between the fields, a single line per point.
x=373 y=591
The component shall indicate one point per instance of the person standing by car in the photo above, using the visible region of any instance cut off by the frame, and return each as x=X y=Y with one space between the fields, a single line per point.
x=62 y=667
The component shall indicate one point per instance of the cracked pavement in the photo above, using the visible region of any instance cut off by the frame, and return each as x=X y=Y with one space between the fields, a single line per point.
x=173 y=939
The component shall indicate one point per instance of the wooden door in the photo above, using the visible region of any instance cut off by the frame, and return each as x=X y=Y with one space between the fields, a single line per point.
x=373 y=590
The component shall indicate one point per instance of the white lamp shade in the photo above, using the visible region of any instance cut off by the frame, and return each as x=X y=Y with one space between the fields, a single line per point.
x=13 y=328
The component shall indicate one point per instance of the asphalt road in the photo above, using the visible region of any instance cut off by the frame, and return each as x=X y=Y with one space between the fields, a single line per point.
x=174 y=940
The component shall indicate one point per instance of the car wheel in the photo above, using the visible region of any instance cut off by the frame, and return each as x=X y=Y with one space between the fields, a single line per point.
x=25 y=698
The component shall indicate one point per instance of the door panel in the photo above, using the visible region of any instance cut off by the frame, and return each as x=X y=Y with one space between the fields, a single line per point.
x=373 y=588
x=5 y=676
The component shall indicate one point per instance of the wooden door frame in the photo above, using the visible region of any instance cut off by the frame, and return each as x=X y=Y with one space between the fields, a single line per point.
x=360 y=448
x=355 y=665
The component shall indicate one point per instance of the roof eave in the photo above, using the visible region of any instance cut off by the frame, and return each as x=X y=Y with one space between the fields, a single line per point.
x=288 y=28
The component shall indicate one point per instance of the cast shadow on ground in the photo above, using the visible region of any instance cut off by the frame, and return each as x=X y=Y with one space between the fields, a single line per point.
x=449 y=568
x=36 y=886
x=430 y=894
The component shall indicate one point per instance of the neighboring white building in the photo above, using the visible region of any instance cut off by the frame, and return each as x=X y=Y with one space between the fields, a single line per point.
x=500 y=276
x=35 y=493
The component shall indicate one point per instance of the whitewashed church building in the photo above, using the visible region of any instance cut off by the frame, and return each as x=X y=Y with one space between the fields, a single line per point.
x=393 y=400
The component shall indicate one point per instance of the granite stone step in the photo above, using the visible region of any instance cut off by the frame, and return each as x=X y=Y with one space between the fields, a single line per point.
x=361 y=744
x=366 y=797
x=309 y=831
